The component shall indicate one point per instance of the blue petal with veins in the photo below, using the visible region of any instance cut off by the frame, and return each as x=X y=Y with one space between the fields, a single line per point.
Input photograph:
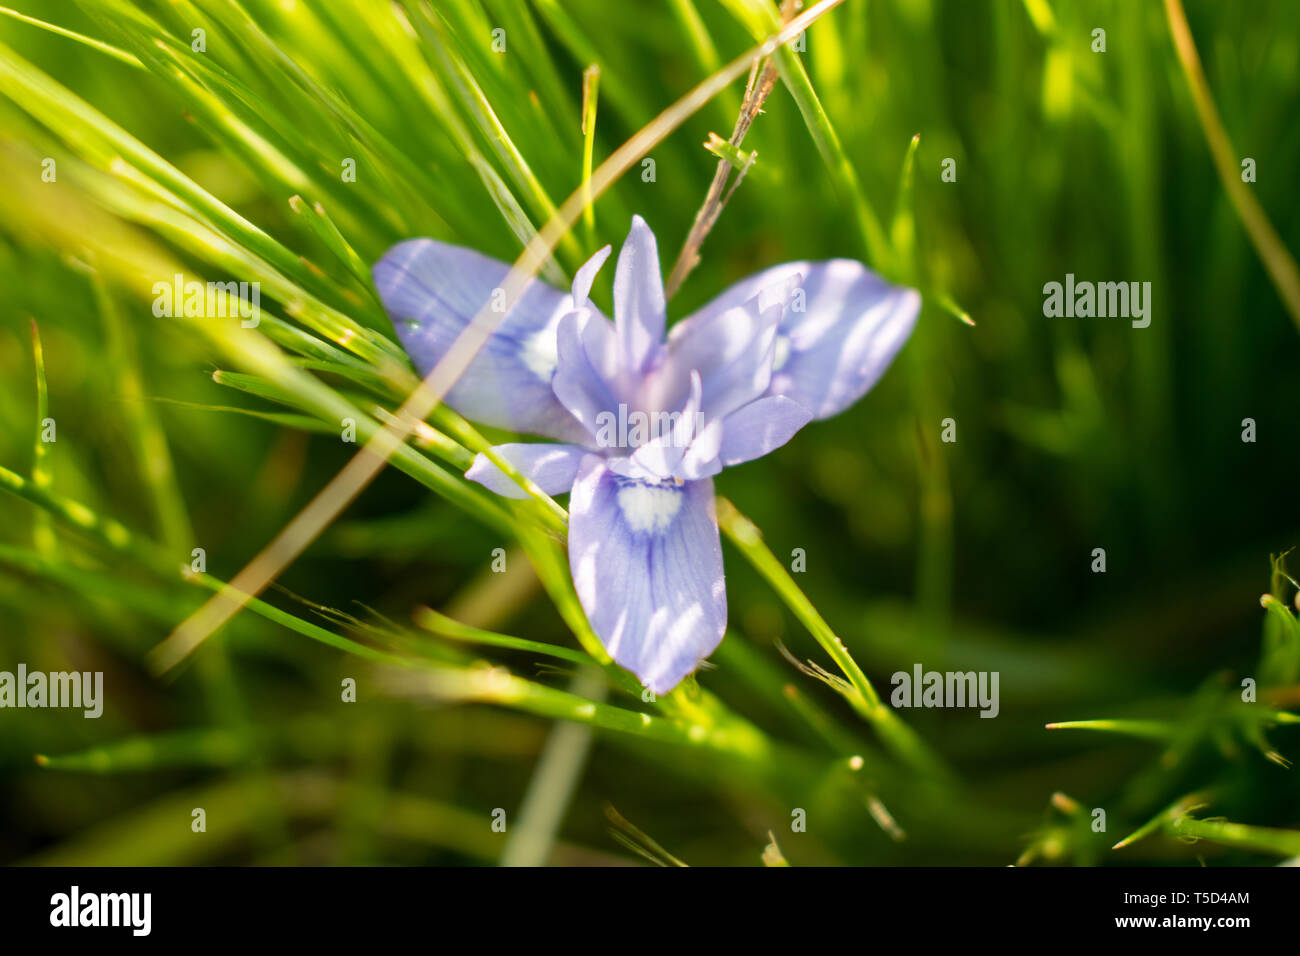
x=733 y=381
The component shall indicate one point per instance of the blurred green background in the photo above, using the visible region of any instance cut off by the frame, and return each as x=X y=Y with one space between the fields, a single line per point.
x=1072 y=433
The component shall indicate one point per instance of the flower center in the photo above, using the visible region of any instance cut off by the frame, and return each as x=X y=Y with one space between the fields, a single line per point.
x=539 y=353
x=649 y=508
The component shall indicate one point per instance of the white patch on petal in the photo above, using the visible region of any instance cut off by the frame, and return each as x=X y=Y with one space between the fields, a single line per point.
x=780 y=352
x=649 y=507
x=540 y=353
x=584 y=577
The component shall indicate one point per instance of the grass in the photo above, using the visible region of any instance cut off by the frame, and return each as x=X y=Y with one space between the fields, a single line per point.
x=302 y=141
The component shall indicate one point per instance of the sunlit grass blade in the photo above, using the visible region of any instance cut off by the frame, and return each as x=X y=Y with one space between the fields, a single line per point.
x=1240 y=835
x=637 y=840
x=897 y=736
x=436 y=623
x=99 y=45
x=42 y=531
x=210 y=748
x=1157 y=730
x=1278 y=261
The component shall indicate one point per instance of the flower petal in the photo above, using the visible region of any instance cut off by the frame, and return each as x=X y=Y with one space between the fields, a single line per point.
x=760 y=427
x=586 y=377
x=732 y=349
x=701 y=459
x=551 y=467
x=647 y=564
x=837 y=336
x=662 y=454
x=432 y=290
x=639 y=305
x=585 y=276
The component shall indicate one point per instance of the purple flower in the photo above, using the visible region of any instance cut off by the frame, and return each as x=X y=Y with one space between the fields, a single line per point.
x=644 y=421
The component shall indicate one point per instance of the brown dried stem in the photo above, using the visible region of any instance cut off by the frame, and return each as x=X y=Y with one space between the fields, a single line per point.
x=758 y=88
